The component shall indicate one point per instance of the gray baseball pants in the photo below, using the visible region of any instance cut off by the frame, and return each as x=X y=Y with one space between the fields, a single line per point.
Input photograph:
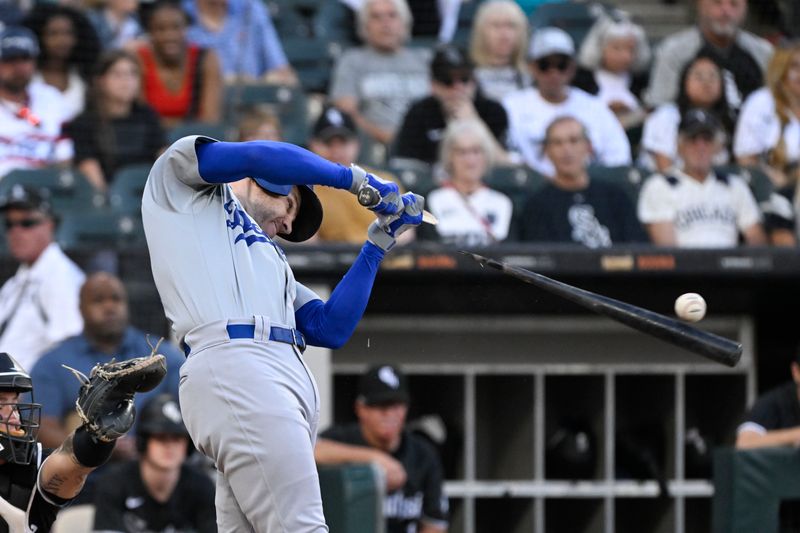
x=252 y=406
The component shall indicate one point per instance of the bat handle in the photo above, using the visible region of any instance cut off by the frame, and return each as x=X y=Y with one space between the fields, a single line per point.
x=368 y=196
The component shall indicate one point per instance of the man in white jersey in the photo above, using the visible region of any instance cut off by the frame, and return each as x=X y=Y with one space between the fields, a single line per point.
x=531 y=110
x=694 y=206
x=211 y=213
x=31 y=114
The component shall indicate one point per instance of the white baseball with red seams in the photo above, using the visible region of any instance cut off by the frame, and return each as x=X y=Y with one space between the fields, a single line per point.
x=690 y=307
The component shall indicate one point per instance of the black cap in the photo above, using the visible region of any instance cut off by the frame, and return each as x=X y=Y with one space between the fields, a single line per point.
x=696 y=121
x=18 y=42
x=28 y=198
x=447 y=60
x=383 y=384
x=334 y=122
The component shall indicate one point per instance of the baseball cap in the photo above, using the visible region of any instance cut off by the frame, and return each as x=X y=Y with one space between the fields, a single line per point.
x=334 y=122
x=448 y=59
x=696 y=121
x=18 y=42
x=383 y=384
x=27 y=198
x=550 y=41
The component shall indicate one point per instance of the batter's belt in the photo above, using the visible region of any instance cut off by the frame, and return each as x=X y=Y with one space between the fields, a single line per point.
x=237 y=330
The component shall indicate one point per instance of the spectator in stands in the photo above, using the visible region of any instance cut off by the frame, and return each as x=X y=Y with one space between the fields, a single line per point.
x=31 y=113
x=497 y=47
x=701 y=87
x=116 y=23
x=117 y=129
x=572 y=207
x=469 y=212
x=259 y=123
x=159 y=491
x=377 y=82
x=414 y=498
x=694 y=206
x=69 y=49
x=454 y=96
x=742 y=55
x=180 y=80
x=530 y=111
x=242 y=34
x=768 y=129
x=39 y=304
x=614 y=60
x=334 y=137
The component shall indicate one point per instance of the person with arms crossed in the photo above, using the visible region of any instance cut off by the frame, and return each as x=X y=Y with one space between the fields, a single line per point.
x=414 y=498
x=694 y=206
x=212 y=211
x=36 y=483
x=39 y=303
x=159 y=492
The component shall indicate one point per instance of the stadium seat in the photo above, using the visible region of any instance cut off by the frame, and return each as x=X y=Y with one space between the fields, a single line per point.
x=576 y=18
x=100 y=228
x=415 y=175
x=518 y=183
x=334 y=22
x=352 y=497
x=313 y=67
x=289 y=102
x=217 y=131
x=125 y=191
x=69 y=189
x=760 y=184
x=630 y=178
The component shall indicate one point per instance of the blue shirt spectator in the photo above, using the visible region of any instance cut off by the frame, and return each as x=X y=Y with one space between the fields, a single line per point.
x=242 y=33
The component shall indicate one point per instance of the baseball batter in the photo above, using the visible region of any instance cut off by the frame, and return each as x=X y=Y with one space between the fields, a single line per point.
x=211 y=212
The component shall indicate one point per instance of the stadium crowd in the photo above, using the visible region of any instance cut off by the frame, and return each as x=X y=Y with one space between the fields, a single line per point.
x=596 y=136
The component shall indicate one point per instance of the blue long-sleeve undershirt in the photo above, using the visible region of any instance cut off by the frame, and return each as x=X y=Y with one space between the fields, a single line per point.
x=331 y=324
x=276 y=162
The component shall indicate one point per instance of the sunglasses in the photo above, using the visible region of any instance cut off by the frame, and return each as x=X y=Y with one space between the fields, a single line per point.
x=707 y=136
x=452 y=80
x=23 y=223
x=560 y=63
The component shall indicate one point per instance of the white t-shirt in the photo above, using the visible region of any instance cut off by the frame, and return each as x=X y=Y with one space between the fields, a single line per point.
x=613 y=87
x=660 y=135
x=26 y=144
x=759 y=129
x=707 y=214
x=39 y=306
x=529 y=115
x=481 y=218
x=74 y=95
x=497 y=82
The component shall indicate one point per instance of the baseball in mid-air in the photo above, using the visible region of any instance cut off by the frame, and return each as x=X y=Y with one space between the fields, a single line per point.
x=690 y=307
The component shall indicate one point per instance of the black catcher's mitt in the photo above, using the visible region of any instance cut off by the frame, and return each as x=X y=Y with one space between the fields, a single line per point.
x=105 y=401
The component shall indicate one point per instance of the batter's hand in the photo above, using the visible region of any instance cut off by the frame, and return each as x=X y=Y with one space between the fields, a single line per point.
x=384 y=196
x=383 y=231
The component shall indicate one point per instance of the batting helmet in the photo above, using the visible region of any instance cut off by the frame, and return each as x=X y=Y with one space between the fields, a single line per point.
x=160 y=416
x=308 y=218
x=17 y=439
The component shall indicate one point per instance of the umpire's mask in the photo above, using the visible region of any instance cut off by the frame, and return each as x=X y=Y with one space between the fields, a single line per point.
x=18 y=429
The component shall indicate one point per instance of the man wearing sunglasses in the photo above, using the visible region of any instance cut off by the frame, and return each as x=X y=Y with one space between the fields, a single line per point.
x=39 y=304
x=454 y=95
x=531 y=110
x=693 y=205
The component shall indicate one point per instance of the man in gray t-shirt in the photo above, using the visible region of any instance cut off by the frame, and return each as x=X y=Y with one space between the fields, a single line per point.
x=212 y=211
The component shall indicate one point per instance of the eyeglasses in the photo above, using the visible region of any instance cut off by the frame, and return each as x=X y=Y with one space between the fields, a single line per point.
x=23 y=223
x=559 y=62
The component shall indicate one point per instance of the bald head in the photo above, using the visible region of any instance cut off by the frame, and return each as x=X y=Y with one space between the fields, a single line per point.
x=104 y=307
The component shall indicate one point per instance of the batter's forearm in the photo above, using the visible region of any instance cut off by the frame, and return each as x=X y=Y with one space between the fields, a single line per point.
x=276 y=162
x=331 y=324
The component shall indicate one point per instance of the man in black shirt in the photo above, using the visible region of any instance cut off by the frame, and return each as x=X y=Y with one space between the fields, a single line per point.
x=414 y=499
x=454 y=95
x=159 y=492
x=572 y=207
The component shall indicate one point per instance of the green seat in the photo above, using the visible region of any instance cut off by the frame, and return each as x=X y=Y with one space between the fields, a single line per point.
x=217 y=131
x=125 y=191
x=352 y=498
x=100 y=228
x=760 y=184
x=308 y=58
x=415 y=175
x=518 y=183
x=629 y=178
x=69 y=189
x=289 y=103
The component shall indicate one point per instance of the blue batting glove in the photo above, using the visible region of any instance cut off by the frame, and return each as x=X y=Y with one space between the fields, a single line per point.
x=380 y=196
x=384 y=231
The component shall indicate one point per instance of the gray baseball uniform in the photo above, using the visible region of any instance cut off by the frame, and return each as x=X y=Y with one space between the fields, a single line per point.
x=248 y=399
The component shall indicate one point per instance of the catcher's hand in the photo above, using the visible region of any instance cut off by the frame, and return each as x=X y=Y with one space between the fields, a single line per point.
x=105 y=401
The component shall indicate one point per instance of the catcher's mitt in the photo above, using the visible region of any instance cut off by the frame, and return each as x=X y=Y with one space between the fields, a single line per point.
x=105 y=401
